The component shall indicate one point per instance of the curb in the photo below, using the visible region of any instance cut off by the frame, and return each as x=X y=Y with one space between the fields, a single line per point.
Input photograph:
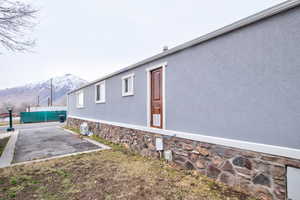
x=54 y=157
x=89 y=140
x=8 y=153
x=9 y=150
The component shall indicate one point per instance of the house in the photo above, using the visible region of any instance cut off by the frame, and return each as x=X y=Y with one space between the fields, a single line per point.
x=226 y=104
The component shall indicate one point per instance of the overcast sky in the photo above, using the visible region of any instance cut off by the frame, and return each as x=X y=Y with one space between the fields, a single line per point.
x=91 y=38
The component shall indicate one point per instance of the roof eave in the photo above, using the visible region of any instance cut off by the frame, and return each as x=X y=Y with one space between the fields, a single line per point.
x=224 y=30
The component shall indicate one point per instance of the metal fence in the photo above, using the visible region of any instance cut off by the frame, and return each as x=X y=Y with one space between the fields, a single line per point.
x=44 y=116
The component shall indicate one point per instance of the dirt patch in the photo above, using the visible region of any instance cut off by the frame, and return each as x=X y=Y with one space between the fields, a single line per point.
x=111 y=174
x=3 y=143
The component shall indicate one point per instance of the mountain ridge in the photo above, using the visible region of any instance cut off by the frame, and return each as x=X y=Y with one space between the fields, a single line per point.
x=29 y=93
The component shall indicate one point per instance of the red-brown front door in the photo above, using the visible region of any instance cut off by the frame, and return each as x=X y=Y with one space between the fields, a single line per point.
x=156 y=98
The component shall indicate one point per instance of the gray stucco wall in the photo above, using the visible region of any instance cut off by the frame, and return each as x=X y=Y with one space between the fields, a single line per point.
x=243 y=85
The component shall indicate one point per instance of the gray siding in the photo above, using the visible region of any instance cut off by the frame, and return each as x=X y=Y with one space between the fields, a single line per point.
x=243 y=85
x=130 y=109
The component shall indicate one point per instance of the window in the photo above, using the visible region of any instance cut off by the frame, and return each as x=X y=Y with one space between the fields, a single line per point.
x=80 y=99
x=100 y=92
x=127 y=85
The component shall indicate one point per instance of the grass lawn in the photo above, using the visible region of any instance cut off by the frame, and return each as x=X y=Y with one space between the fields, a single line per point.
x=109 y=174
x=3 y=143
x=6 y=123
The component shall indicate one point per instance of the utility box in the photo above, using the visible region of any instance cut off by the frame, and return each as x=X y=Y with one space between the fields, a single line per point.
x=84 y=129
x=159 y=144
x=293 y=181
x=168 y=155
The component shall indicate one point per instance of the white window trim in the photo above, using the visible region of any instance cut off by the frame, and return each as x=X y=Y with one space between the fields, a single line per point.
x=77 y=99
x=148 y=70
x=130 y=93
x=101 y=100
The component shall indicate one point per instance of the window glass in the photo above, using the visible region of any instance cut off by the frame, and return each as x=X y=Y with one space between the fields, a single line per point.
x=100 y=92
x=127 y=85
x=97 y=92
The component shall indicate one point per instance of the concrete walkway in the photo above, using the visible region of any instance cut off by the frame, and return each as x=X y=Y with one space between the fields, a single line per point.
x=8 y=153
x=44 y=142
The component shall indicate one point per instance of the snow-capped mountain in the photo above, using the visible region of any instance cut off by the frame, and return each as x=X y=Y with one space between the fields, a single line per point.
x=70 y=81
x=40 y=91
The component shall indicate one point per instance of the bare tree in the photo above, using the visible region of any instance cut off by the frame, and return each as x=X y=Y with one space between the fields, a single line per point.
x=4 y=106
x=22 y=107
x=16 y=19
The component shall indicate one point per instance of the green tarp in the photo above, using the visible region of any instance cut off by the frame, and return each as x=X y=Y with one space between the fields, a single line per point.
x=45 y=116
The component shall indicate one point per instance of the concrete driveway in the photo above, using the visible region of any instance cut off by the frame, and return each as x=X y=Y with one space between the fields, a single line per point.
x=48 y=140
x=30 y=126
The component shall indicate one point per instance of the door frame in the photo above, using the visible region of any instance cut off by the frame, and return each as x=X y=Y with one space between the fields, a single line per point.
x=148 y=70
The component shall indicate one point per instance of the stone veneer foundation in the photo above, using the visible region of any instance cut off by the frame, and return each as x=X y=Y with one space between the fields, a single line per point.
x=259 y=174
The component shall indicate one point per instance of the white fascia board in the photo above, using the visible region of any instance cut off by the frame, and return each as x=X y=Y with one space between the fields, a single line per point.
x=127 y=76
x=164 y=64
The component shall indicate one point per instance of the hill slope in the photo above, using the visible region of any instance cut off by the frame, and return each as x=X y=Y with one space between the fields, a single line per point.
x=29 y=93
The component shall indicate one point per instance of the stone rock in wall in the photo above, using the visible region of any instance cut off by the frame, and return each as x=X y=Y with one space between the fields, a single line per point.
x=261 y=166
x=213 y=172
x=179 y=159
x=262 y=179
x=203 y=151
x=144 y=145
x=242 y=162
x=151 y=146
x=278 y=172
x=228 y=167
x=244 y=171
x=188 y=165
x=187 y=147
x=217 y=160
x=243 y=183
x=195 y=152
x=193 y=156
x=181 y=153
x=250 y=154
x=226 y=179
x=205 y=145
x=280 y=192
x=263 y=194
x=269 y=158
x=279 y=182
x=200 y=164
x=224 y=152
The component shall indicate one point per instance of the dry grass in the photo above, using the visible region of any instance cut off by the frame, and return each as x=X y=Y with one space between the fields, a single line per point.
x=109 y=174
x=7 y=123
